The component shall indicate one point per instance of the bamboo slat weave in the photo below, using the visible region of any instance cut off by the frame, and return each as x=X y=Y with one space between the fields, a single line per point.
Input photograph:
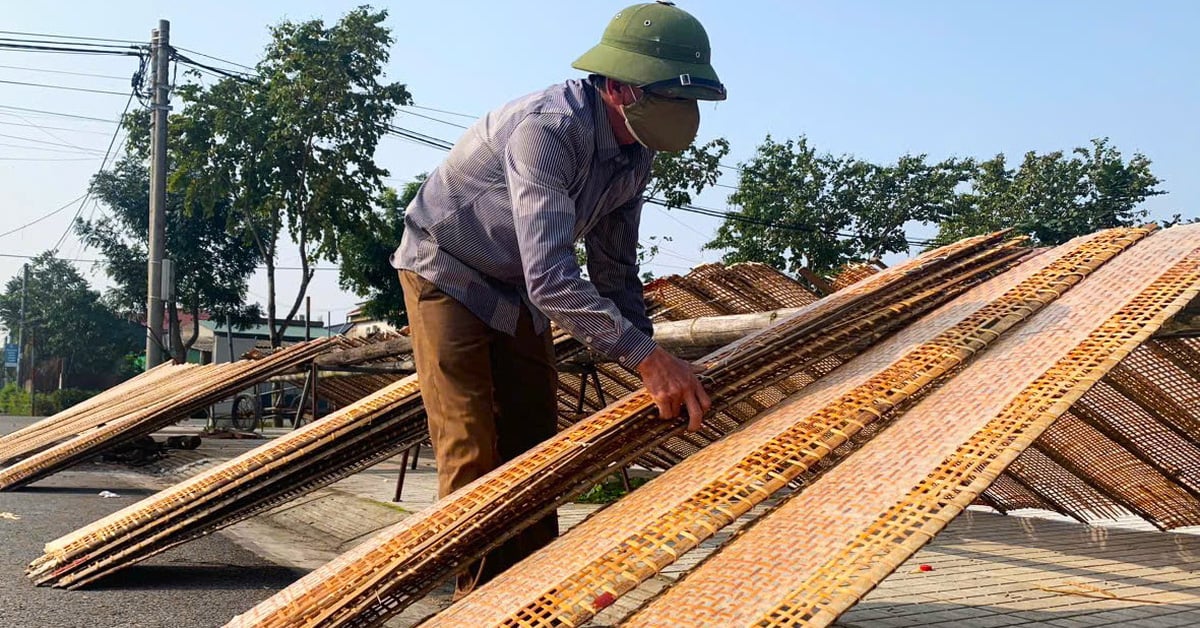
x=306 y=458
x=713 y=290
x=851 y=274
x=822 y=550
x=172 y=399
x=632 y=540
x=1148 y=408
x=384 y=574
x=108 y=405
x=213 y=501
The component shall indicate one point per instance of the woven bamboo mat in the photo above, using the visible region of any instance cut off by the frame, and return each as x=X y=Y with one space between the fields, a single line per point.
x=256 y=480
x=383 y=574
x=169 y=400
x=631 y=540
x=107 y=406
x=381 y=422
x=1141 y=422
x=826 y=547
x=851 y=274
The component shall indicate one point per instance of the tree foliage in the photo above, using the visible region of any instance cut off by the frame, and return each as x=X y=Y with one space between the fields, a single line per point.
x=292 y=150
x=674 y=177
x=1054 y=197
x=799 y=208
x=206 y=245
x=66 y=319
x=366 y=268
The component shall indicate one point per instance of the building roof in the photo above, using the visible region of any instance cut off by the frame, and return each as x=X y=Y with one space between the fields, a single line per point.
x=293 y=332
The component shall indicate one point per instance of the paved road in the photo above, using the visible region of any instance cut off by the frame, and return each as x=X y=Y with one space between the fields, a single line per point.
x=202 y=584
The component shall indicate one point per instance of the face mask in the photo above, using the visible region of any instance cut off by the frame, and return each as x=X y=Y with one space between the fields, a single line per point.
x=660 y=123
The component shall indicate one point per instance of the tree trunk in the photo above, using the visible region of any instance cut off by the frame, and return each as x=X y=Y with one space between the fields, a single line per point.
x=176 y=343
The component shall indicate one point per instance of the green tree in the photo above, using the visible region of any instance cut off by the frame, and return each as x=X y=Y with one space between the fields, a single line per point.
x=292 y=151
x=67 y=320
x=1054 y=197
x=674 y=177
x=206 y=246
x=798 y=208
x=366 y=268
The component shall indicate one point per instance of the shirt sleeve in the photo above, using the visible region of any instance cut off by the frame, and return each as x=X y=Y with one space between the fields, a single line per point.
x=612 y=260
x=540 y=162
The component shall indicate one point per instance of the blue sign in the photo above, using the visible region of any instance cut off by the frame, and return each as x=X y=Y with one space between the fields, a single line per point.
x=11 y=355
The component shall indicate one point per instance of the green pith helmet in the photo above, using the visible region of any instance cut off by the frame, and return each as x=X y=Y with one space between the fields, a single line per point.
x=659 y=47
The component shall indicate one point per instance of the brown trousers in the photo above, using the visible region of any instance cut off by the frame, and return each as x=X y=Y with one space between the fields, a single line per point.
x=489 y=398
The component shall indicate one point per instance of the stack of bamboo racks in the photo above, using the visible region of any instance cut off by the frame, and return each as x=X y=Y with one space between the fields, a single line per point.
x=754 y=375
x=159 y=398
x=387 y=573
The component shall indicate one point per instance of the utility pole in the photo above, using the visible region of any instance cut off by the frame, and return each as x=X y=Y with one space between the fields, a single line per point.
x=21 y=327
x=160 y=52
x=168 y=295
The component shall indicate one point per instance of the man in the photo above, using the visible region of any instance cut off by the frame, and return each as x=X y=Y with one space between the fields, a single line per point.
x=488 y=254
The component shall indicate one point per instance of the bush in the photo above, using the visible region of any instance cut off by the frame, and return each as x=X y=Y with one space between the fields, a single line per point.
x=16 y=401
x=13 y=400
x=609 y=491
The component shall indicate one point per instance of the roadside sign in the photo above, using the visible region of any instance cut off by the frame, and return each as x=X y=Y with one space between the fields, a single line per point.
x=11 y=355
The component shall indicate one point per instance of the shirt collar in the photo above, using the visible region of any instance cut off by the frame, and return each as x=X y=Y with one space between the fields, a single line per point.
x=606 y=141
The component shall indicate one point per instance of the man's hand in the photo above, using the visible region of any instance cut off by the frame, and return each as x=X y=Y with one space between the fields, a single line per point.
x=673 y=385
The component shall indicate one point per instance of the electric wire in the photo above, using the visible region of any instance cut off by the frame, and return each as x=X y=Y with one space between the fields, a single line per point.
x=103 y=164
x=446 y=122
x=208 y=56
x=37 y=220
x=436 y=110
x=47 y=158
x=46 y=129
x=49 y=71
x=61 y=115
x=49 y=149
x=63 y=87
x=74 y=37
x=37 y=141
x=68 y=50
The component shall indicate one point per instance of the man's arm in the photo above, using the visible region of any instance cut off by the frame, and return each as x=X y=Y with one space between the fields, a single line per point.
x=540 y=160
x=539 y=163
x=613 y=265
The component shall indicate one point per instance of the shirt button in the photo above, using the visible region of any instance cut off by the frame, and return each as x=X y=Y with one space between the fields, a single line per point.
x=621 y=359
x=588 y=339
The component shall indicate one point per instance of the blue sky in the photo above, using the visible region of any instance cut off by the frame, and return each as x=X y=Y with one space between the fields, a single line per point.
x=876 y=79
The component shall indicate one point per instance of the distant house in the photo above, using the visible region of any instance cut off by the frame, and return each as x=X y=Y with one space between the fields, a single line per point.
x=215 y=339
x=362 y=326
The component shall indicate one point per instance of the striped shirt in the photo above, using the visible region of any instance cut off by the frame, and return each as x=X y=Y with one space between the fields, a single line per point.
x=495 y=225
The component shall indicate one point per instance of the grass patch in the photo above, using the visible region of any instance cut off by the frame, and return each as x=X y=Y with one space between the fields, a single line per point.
x=609 y=491
x=392 y=506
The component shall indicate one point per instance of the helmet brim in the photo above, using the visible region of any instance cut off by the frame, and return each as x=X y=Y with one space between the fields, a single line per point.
x=640 y=69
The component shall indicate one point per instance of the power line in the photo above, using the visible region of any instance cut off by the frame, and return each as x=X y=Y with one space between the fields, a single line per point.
x=434 y=142
x=35 y=141
x=74 y=37
x=435 y=110
x=237 y=76
x=49 y=150
x=208 y=56
x=63 y=87
x=47 y=158
x=61 y=115
x=84 y=259
x=43 y=127
x=49 y=71
x=446 y=122
x=737 y=217
x=103 y=163
x=36 y=221
x=5 y=45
